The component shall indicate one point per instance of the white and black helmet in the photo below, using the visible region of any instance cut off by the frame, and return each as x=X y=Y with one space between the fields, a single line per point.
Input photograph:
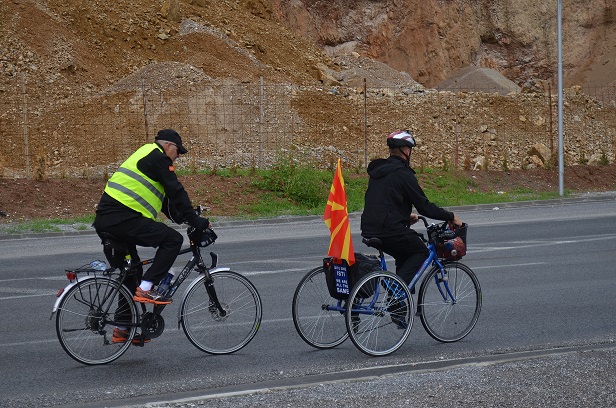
x=401 y=138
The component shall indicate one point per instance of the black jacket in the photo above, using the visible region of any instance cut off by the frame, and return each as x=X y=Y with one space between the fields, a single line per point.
x=176 y=205
x=392 y=192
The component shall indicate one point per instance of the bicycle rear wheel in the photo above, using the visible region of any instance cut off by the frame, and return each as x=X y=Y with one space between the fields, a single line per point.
x=445 y=319
x=86 y=317
x=315 y=323
x=217 y=332
x=381 y=318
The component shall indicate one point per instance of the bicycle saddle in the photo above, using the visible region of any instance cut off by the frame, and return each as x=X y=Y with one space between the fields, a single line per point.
x=373 y=242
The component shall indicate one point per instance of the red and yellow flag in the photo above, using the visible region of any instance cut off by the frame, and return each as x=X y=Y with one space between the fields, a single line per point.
x=336 y=218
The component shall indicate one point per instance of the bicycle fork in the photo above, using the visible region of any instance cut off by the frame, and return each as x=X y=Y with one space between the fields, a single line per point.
x=214 y=306
x=442 y=281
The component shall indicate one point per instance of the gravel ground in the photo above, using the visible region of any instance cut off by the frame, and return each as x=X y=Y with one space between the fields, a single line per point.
x=583 y=378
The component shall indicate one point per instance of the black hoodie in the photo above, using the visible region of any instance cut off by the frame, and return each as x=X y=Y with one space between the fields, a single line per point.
x=392 y=192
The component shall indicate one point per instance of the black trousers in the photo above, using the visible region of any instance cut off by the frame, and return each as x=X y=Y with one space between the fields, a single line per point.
x=409 y=251
x=146 y=232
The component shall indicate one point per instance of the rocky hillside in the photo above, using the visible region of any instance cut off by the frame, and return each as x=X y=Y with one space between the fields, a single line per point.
x=431 y=39
x=61 y=52
x=72 y=44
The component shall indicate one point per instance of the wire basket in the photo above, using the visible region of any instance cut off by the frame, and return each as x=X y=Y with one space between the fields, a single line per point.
x=450 y=246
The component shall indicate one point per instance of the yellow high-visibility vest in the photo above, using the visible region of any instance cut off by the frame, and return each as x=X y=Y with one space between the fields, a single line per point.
x=134 y=189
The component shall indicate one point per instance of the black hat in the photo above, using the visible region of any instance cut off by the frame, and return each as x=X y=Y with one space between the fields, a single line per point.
x=171 y=135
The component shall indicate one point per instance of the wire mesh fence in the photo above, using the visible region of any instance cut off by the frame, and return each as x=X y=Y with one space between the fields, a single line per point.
x=253 y=125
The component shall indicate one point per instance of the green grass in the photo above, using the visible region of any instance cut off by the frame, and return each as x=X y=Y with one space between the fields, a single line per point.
x=301 y=190
x=290 y=189
x=447 y=188
x=46 y=225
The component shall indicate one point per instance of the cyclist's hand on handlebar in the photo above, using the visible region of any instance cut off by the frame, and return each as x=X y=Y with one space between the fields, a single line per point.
x=202 y=223
x=414 y=218
x=455 y=222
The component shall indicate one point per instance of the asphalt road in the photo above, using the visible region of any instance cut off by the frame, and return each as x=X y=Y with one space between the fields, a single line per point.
x=547 y=274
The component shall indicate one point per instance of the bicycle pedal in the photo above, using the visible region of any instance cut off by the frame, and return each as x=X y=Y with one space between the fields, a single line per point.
x=139 y=342
x=151 y=302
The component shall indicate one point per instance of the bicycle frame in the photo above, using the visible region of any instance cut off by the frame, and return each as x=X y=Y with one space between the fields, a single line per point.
x=433 y=260
x=443 y=285
x=195 y=261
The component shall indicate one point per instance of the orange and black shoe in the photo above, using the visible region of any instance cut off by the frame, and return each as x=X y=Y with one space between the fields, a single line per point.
x=151 y=296
x=120 y=336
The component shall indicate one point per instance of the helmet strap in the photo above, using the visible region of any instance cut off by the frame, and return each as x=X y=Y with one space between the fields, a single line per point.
x=406 y=156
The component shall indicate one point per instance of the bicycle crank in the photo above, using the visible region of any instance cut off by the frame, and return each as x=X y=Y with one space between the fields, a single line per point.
x=152 y=325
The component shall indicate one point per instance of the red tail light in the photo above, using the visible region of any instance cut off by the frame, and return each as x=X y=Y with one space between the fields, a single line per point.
x=71 y=275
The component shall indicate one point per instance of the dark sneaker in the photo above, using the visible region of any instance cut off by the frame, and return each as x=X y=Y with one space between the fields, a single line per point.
x=398 y=321
x=150 y=296
x=120 y=336
x=397 y=312
x=355 y=321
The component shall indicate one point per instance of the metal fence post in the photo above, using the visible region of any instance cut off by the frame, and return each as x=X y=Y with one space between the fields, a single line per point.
x=145 y=114
x=365 y=127
x=261 y=118
x=25 y=126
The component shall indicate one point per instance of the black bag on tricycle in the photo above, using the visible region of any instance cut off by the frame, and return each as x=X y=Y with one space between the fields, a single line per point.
x=340 y=277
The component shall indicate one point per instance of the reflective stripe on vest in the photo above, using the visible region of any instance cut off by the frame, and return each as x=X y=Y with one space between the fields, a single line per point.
x=133 y=188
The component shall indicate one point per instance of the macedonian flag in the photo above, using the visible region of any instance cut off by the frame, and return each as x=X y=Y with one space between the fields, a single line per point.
x=336 y=218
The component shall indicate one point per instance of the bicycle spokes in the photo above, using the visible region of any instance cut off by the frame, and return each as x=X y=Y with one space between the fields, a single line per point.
x=86 y=318
x=379 y=323
x=223 y=320
x=450 y=302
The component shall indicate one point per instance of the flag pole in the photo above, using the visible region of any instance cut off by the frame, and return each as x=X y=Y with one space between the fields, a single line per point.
x=336 y=217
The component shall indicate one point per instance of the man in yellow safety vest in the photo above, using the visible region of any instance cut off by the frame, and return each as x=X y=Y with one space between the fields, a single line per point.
x=144 y=185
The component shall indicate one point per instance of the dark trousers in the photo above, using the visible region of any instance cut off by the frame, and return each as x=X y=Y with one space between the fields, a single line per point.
x=409 y=251
x=146 y=232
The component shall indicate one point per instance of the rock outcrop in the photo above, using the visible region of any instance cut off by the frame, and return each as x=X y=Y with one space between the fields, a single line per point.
x=432 y=39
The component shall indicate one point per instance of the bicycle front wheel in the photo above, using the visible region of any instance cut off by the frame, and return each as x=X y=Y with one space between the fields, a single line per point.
x=381 y=316
x=221 y=332
x=449 y=302
x=314 y=316
x=87 y=315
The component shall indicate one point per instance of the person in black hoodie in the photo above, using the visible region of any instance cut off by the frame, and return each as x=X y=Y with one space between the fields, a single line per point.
x=393 y=191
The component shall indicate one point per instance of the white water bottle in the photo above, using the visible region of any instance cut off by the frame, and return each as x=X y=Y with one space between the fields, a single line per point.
x=163 y=286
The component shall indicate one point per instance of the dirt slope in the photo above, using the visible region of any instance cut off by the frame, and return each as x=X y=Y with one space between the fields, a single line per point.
x=65 y=45
x=71 y=198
